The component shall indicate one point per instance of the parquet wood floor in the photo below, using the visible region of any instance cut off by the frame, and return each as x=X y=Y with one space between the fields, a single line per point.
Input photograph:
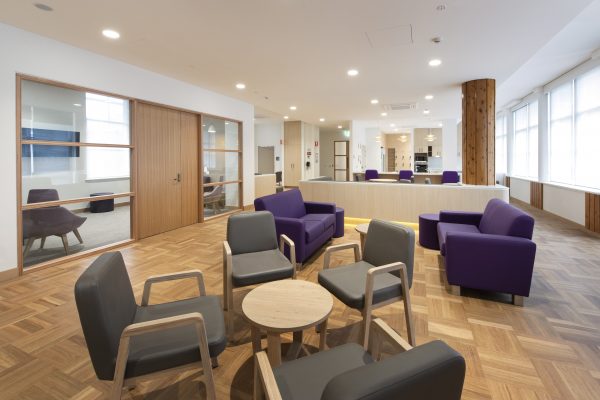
x=550 y=349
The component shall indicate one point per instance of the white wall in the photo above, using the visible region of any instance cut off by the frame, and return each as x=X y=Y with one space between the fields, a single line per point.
x=564 y=202
x=450 y=152
x=373 y=159
x=310 y=137
x=268 y=134
x=520 y=189
x=27 y=53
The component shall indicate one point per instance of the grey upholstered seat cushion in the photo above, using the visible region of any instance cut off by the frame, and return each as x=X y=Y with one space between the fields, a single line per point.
x=170 y=348
x=307 y=377
x=348 y=283
x=251 y=232
x=259 y=267
x=430 y=371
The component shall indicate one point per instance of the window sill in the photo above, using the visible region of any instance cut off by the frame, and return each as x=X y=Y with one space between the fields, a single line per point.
x=108 y=179
x=560 y=185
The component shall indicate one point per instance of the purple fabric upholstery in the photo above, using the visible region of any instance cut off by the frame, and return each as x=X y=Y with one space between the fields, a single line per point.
x=428 y=235
x=495 y=253
x=371 y=174
x=339 y=222
x=500 y=218
x=309 y=224
x=450 y=177
x=405 y=174
x=444 y=228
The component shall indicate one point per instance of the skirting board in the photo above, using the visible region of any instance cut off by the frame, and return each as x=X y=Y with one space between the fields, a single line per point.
x=9 y=274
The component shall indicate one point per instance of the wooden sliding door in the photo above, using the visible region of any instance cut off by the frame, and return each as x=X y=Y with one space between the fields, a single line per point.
x=167 y=169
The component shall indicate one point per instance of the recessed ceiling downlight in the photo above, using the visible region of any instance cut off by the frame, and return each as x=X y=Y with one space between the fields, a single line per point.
x=322 y=119
x=43 y=7
x=352 y=72
x=426 y=111
x=240 y=86
x=436 y=62
x=429 y=97
x=374 y=101
x=339 y=127
x=111 y=34
x=293 y=108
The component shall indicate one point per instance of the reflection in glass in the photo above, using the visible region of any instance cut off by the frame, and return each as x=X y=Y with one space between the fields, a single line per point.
x=221 y=199
x=219 y=133
x=220 y=166
x=53 y=232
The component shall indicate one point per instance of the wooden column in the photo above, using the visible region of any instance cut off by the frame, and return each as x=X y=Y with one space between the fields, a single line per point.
x=478 y=132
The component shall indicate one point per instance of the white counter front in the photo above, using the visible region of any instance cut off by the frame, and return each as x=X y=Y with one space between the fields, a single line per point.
x=400 y=202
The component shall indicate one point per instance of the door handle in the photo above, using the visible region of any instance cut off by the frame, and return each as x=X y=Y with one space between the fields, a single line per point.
x=178 y=179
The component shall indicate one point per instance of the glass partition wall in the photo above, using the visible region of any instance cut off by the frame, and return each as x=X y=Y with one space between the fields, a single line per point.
x=75 y=175
x=221 y=166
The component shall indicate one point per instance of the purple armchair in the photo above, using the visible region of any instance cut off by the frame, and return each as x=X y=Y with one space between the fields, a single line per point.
x=490 y=250
x=309 y=224
x=450 y=177
x=405 y=175
x=371 y=174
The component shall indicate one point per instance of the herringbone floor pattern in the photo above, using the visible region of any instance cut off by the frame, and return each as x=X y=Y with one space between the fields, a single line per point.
x=550 y=349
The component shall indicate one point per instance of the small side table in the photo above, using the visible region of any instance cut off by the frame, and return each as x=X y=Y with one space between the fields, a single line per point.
x=362 y=230
x=286 y=306
x=428 y=236
x=102 y=206
x=339 y=222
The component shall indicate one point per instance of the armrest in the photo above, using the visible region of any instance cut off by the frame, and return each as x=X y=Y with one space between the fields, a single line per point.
x=490 y=262
x=382 y=332
x=461 y=217
x=265 y=378
x=172 y=277
x=314 y=207
x=227 y=269
x=339 y=247
x=283 y=239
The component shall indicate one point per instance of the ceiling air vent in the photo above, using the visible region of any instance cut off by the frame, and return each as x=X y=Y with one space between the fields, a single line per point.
x=399 y=106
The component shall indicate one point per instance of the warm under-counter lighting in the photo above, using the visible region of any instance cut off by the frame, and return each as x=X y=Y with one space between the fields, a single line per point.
x=435 y=62
x=240 y=86
x=374 y=101
x=352 y=72
x=111 y=34
x=429 y=97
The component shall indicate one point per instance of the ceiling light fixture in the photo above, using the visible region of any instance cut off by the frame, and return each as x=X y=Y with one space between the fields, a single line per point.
x=429 y=97
x=43 y=7
x=285 y=117
x=322 y=119
x=426 y=111
x=77 y=104
x=435 y=62
x=374 y=101
x=111 y=34
x=293 y=108
x=211 y=129
x=384 y=114
x=392 y=125
x=352 y=72
x=440 y=125
x=240 y=86
x=339 y=127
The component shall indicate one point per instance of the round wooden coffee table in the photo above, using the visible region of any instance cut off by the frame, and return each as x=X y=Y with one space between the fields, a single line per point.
x=362 y=230
x=286 y=306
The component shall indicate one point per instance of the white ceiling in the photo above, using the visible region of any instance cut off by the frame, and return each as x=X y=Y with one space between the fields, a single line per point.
x=297 y=52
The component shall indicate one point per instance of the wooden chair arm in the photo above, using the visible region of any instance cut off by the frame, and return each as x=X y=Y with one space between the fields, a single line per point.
x=172 y=277
x=283 y=240
x=266 y=379
x=382 y=332
x=339 y=247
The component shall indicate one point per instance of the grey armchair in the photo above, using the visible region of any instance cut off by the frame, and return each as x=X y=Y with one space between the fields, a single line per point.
x=40 y=223
x=382 y=276
x=251 y=256
x=348 y=372
x=128 y=342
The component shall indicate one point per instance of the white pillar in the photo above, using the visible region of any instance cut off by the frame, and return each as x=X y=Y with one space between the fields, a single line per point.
x=450 y=145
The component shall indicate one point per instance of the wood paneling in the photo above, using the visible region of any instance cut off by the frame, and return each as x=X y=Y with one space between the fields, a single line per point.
x=546 y=350
x=478 y=130
x=190 y=168
x=292 y=149
x=536 y=195
x=592 y=212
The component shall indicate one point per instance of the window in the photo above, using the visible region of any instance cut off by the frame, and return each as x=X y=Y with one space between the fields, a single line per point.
x=525 y=143
x=574 y=126
x=501 y=159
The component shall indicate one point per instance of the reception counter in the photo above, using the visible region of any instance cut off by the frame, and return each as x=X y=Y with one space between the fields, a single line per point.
x=419 y=177
x=264 y=185
x=400 y=202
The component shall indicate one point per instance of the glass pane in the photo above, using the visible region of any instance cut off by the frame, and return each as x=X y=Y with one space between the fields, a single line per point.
x=75 y=172
x=219 y=133
x=221 y=199
x=561 y=102
x=340 y=148
x=533 y=113
x=587 y=88
x=340 y=176
x=220 y=166
x=561 y=151
x=587 y=146
x=58 y=114
x=50 y=233
x=533 y=153
x=340 y=162
x=520 y=118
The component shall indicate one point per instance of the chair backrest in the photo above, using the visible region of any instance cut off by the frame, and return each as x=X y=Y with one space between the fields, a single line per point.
x=388 y=242
x=278 y=177
x=371 y=174
x=41 y=195
x=450 y=177
x=430 y=371
x=106 y=305
x=251 y=232
x=405 y=174
x=501 y=218
x=288 y=203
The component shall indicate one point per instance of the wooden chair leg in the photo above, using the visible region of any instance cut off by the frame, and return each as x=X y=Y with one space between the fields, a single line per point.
x=77 y=235
x=43 y=242
x=65 y=243
x=230 y=314
x=214 y=362
x=518 y=300
x=259 y=393
x=455 y=290
x=28 y=246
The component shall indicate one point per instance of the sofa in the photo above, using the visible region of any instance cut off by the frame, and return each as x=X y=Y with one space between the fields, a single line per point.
x=309 y=224
x=491 y=251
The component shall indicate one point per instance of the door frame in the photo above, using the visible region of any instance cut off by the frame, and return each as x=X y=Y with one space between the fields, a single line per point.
x=347 y=155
